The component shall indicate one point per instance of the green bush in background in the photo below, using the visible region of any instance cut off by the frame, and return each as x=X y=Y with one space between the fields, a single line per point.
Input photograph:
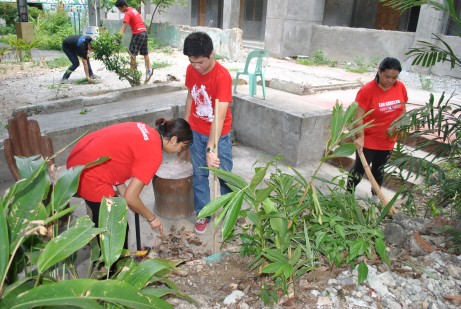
x=51 y=28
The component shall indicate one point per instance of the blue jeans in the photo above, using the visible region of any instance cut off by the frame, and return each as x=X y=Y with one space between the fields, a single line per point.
x=73 y=58
x=201 y=183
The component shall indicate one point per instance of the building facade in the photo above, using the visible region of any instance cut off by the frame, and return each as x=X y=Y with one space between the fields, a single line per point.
x=342 y=29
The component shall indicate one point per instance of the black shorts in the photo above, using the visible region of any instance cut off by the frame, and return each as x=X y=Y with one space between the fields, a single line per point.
x=138 y=44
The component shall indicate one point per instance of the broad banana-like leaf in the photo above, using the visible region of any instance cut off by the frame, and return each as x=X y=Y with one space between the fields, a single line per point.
x=85 y=293
x=262 y=194
x=139 y=275
x=27 y=199
x=233 y=211
x=112 y=218
x=363 y=272
x=160 y=292
x=344 y=150
x=67 y=243
x=4 y=244
x=380 y=247
x=276 y=222
x=229 y=177
x=65 y=188
x=260 y=173
x=214 y=205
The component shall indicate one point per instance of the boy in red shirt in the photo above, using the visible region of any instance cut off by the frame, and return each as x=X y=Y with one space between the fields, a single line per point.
x=207 y=80
x=138 y=43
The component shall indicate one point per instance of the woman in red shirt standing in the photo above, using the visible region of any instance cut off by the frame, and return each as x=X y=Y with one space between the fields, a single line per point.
x=135 y=152
x=386 y=97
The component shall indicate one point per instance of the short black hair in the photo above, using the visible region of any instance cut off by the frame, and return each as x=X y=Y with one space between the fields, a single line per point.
x=121 y=3
x=198 y=44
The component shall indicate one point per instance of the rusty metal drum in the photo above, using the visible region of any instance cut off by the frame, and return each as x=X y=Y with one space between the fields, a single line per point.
x=174 y=198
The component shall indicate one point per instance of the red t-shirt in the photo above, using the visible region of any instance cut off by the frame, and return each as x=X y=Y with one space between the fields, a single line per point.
x=134 y=148
x=205 y=89
x=387 y=105
x=134 y=19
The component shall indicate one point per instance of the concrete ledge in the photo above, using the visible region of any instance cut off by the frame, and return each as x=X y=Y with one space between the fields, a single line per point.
x=110 y=97
x=306 y=89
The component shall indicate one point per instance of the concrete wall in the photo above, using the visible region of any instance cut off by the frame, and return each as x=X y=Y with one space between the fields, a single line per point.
x=299 y=137
x=289 y=25
x=345 y=44
x=176 y=14
x=227 y=43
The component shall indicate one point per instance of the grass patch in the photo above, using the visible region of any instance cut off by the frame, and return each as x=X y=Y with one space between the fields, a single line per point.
x=57 y=63
x=360 y=65
x=219 y=57
x=167 y=50
x=318 y=58
x=160 y=64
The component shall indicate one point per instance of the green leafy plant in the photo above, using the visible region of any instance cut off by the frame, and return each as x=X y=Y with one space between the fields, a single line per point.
x=318 y=58
x=9 y=13
x=51 y=28
x=23 y=49
x=114 y=56
x=435 y=126
x=37 y=261
x=289 y=224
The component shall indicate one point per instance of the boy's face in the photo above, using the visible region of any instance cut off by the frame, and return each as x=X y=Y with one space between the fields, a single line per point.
x=202 y=64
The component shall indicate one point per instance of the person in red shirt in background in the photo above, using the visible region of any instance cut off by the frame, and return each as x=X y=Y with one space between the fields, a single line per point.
x=135 y=152
x=386 y=96
x=138 y=43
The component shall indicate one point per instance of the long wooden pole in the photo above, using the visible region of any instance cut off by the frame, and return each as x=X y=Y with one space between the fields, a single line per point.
x=215 y=180
x=373 y=182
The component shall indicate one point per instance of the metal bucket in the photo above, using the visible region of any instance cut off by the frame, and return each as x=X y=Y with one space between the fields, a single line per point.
x=174 y=198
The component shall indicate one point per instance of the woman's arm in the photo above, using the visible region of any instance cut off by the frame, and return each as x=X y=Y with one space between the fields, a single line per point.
x=132 y=197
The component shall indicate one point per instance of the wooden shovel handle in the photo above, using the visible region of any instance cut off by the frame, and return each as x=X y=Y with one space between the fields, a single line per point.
x=372 y=179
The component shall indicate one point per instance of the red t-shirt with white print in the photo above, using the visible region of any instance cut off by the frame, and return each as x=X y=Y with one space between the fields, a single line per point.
x=388 y=105
x=205 y=89
x=134 y=149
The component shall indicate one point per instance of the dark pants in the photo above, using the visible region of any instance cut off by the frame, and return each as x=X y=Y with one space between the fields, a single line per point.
x=376 y=159
x=72 y=55
x=94 y=206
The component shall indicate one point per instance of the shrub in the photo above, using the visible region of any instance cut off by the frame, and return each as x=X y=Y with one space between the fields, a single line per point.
x=51 y=28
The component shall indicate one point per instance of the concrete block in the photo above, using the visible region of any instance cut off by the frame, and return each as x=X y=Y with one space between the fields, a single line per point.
x=299 y=136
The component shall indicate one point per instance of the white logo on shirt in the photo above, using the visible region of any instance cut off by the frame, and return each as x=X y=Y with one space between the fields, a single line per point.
x=203 y=106
x=143 y=129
